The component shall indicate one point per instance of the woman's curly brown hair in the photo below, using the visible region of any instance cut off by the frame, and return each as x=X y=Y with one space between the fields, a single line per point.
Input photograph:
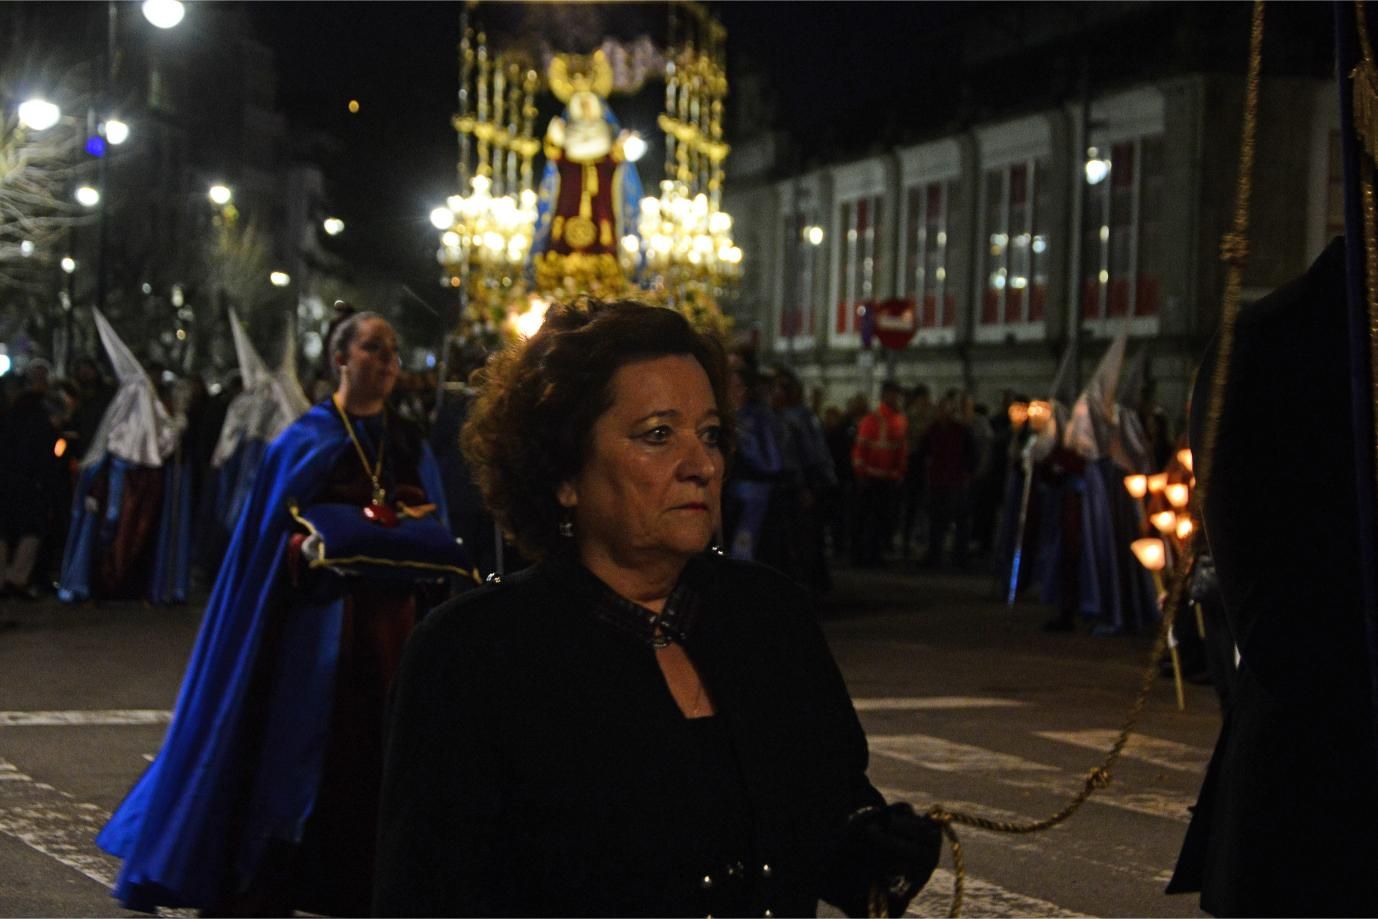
x=530 y=428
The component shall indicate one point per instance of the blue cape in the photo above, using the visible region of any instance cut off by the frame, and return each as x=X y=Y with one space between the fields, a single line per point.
x=172 y=830
x=92 y=531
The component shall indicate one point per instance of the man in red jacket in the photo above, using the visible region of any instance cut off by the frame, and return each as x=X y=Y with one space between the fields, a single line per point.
x=879 y=459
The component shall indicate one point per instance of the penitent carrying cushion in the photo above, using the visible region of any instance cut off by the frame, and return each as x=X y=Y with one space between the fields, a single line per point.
x=347 y=543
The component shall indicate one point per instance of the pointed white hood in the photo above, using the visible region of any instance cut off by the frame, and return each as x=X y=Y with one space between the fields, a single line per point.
x=136 y=426
x=1131 y=450
x=1092 y=428
x=271 y=400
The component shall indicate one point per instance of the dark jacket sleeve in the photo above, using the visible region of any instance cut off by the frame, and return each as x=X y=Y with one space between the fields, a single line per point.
x=441 y=785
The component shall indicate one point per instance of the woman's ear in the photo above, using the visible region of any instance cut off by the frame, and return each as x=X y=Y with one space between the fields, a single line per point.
x=567 y=494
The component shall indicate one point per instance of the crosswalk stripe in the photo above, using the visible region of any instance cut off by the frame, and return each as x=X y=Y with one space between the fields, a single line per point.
x=981 y=898
x=946 y=756
x=1165 y=753
x=54 y=823
x=115 y=716
x=949 y=756
x=932 y=703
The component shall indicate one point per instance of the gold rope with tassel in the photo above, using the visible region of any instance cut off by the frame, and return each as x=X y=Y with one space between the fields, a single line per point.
x=1234 y=251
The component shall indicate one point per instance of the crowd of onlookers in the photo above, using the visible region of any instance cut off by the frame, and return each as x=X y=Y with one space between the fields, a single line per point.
x=908 y=477
x=914 y=476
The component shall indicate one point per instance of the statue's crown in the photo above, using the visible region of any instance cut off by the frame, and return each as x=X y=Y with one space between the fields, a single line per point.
x=571 y=73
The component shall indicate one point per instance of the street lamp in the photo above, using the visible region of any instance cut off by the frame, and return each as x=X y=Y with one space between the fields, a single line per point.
x=38 y=114
x=634 y=148
x=116 y=131
x=1097 y=168
x=165 y=14
x=220 y=195
x=87 y=196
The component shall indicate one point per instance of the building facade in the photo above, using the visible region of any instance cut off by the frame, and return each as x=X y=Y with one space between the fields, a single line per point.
x=1017 y=236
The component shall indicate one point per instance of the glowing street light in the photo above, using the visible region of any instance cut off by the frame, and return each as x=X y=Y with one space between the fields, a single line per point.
x=334 y=226
x=116 y=131
x=87 y=196
x=279 y=278
x=220 y=195
x=38 y=114
x=634 y=148
x=442 y=218
x=1097 y=168
x=165 y=14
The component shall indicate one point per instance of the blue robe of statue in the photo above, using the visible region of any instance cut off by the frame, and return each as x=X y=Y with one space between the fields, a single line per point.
x=171 y=830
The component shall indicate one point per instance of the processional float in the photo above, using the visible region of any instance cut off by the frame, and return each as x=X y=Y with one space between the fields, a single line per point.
x=510 y=245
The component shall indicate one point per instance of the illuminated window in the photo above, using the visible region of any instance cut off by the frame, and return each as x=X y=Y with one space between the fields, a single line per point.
x=928 y=279
x=1016 y=251
x=801 y=260
x=859 y=222
x=1122 y=236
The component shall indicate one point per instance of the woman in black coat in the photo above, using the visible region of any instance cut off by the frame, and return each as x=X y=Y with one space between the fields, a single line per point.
x=634 y=726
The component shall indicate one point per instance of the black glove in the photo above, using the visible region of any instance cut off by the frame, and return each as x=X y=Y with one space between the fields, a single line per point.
x=896 y=850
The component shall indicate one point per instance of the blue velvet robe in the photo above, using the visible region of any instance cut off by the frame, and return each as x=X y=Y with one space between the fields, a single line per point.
x=172 y=828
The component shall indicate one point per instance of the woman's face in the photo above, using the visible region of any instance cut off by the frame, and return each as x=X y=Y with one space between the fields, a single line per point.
x=650 y=487
x=371 y=364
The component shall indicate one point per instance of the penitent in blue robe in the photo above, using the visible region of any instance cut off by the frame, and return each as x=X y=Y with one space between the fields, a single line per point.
x=172 y=830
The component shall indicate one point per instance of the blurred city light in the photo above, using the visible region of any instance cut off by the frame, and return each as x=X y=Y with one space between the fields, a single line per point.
x=95 y=146
x=442 y=218
x=220 y=195
x=334 y=226
x=353 y=106
x=4 y=364
x=26 y=248
x=116 y=131
x=279 y=278
x=69 y=264
x=813 y=235
x=38 y=114
x=87 y=196
x=634 y=148
x=1096 y=167
x=165 y=14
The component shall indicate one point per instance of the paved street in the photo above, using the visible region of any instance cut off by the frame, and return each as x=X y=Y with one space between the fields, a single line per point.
x=965 y=703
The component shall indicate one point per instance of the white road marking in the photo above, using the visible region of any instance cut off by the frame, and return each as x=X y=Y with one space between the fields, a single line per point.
x=946 y=756
x=90 y=717
x=932 y=703
x=1165 y=753
x=54 y=823
x=980 y=898
x=59 y=826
